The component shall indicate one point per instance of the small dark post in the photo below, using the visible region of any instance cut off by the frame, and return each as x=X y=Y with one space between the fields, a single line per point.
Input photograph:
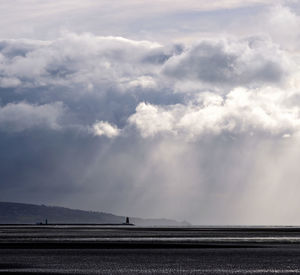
x=46 y=221
x=127 y=220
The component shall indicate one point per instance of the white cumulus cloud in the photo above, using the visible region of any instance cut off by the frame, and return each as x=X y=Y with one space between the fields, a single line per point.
x=241 y=111
x=103 y=128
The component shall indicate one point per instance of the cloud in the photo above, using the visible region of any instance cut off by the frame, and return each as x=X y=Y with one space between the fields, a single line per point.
x=90 y=63
x=16 y=117
x=241 y=111
x=85 y=59
x=46 y=20
x=281 y=23
x=103 y=128
x=245 y=62
x=155 y=127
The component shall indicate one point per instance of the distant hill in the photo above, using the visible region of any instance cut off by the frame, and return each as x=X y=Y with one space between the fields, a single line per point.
x=21 y=213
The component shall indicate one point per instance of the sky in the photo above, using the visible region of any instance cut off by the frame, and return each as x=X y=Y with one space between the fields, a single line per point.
x=188 y=110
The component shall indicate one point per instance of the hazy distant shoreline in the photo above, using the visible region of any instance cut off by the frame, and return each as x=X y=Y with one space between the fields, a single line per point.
x=22 y=213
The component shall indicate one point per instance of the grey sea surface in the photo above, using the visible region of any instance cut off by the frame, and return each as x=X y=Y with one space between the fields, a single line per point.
x=95 y=249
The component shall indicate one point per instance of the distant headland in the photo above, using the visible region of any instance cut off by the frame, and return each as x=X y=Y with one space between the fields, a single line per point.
x=23 y=213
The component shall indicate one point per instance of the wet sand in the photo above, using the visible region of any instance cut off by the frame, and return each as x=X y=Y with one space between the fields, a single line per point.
x=86 y=249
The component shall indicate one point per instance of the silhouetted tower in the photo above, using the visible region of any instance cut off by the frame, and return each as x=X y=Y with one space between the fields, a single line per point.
x=127 y=220
x=46 y=221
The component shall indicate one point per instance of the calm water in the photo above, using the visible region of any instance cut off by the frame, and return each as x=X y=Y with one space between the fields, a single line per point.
x=133 y=250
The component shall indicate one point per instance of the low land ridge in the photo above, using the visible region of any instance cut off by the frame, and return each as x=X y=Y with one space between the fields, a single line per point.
x=23 y=213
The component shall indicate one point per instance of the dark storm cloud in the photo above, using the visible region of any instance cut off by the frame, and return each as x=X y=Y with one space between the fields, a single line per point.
x=245 y=62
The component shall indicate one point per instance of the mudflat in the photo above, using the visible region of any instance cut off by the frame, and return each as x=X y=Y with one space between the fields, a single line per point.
x=98 y=249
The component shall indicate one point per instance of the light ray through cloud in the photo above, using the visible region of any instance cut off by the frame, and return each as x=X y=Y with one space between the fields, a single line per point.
x=197 y=122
